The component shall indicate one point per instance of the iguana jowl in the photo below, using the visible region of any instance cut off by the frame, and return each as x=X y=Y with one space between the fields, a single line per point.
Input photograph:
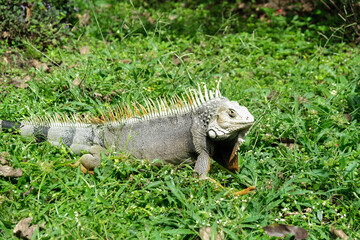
x=199 y=126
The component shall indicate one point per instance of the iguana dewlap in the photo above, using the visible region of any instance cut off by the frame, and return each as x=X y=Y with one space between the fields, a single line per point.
x=200 y=126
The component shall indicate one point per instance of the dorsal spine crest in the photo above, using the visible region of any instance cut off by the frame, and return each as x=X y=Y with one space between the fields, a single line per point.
x=191 y=100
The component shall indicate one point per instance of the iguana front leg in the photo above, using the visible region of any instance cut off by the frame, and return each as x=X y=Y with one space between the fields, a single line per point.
x=202 y=165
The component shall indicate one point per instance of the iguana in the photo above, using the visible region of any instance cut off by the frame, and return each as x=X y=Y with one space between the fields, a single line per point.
x=194 y=127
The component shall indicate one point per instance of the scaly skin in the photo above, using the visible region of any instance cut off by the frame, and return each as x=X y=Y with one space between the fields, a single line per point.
x=214 y=129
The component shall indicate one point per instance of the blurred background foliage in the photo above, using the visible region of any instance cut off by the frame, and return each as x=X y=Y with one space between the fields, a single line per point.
x=50 y=22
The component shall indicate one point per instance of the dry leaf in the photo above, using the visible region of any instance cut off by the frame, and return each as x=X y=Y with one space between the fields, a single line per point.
x=77 y=81
x=105 y=5
x=347 y=116
x=97 y=95
x=273 y=94
x=307 y=210
x=73 y=66
x=84 y=50
x=23 y=228
x=107 y=98
x=205 y=234
x=3 y=158
x=20 y=83
x=27 y=192
x=241 y=5
x=28 y=14
x=302 y=99
x=172 y=17
x=175 y=60
x=126 y=61
x=290 y=146
x=5 y=34
x=2 y=199
x=39 y=65
x=339 y=233
x=84 y=19
x=307 y=7
x=288 y=143
x=281 y=230
x=7 y=171
x=151 y=20
x=5 y=60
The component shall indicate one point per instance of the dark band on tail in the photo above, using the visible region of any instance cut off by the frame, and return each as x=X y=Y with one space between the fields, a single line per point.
x=41 y=133
x=68 y=137
x=10 y=125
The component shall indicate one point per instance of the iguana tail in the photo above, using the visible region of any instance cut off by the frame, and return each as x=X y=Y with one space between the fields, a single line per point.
x=40 y=131
x=78 y=137
x=10 y=125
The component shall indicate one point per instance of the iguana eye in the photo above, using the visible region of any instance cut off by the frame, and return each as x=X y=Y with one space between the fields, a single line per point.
x=232 y=113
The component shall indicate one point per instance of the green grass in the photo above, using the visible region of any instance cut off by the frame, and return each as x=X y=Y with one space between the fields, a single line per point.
x=297 y=84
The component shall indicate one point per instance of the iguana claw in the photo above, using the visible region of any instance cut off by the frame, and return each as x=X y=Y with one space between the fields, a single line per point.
x=237 y=193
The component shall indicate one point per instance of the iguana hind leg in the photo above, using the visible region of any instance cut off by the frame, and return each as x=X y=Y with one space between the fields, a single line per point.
x=90 y=160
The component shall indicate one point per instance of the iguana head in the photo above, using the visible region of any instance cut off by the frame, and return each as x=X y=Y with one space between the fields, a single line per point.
x=230 y=119
x=228 y=128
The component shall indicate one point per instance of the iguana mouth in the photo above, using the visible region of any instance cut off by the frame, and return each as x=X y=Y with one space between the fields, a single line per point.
x=246 y=125
x=241 y=126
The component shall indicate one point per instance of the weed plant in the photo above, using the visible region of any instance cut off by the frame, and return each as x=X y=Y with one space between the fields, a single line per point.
x=302 y=155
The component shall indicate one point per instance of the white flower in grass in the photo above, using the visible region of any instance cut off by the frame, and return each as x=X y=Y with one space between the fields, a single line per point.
x=76 y=217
